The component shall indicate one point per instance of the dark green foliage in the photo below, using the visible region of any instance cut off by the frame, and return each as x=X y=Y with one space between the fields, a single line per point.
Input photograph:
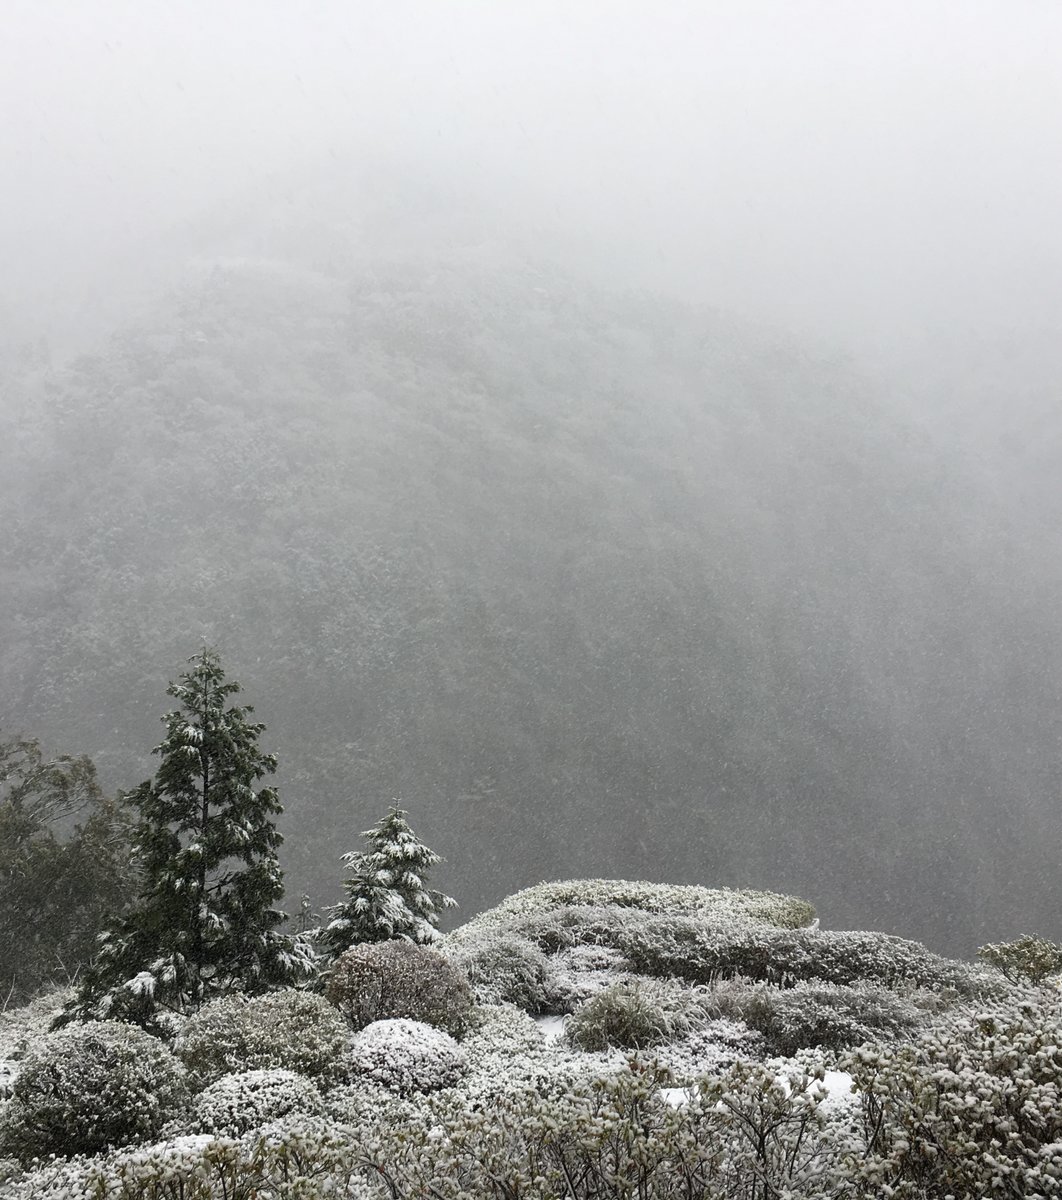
x=387 y=892
x=379 y=981
x=1028 y=958
x=205 y=922
x=88 y=1087
x=65 y=867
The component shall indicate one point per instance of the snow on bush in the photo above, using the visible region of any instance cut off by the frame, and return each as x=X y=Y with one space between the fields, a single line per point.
x=303 y=1158
x=974 y=1108
x=690 y=949
x=88 y=1087
x=507 y=970
x=366 y=1104
x=1026 y=960
x=384 y=980
x=720 y=904
x=235 y=1104
x=290 y=1030
x=830 y=1016
x=710 y=1051
x=407 y=1056
x=635 y=1015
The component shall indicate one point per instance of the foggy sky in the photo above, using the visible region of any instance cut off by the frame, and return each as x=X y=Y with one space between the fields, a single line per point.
x=866 y=172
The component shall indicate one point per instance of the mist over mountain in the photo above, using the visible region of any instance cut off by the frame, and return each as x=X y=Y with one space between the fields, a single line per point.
x=599 y=582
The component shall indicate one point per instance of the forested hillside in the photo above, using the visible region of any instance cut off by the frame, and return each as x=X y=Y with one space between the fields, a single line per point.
x=598 y=583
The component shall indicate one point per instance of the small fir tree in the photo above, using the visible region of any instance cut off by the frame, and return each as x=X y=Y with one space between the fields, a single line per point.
x=387 y=892
x=205 y=922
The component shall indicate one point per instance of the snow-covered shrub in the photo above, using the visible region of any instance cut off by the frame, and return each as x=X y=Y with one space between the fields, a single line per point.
x=234 y=1104
x=711 y=1050
x=720 y=904
x=747 y=1135
x=365 y=1105
x=634 y=1015
x=290 y=1030
x=507 y=970
x=300 y=1157
x=580 y=972
x=555 y=930
x=407 y=1056
x=380 y=981
x=701 y=953
x=1028 y=959
x=827 y=1015
x=498 y=1030
x=972 y=1109
x=90 y=1086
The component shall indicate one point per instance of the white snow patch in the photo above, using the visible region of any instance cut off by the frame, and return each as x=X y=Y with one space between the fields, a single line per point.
x=552 y=1027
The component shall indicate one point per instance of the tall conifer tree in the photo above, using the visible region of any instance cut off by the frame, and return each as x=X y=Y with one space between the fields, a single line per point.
x=387 y=892
x=205 y=922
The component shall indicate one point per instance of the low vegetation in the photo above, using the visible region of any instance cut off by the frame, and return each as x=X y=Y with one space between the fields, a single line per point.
x=712 y=1048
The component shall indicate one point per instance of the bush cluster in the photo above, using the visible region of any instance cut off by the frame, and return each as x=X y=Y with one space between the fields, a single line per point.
x=288 y=1030
x=827 y=1016
x=972 y=1109
x=235 y=1104
x=407 y=1056
x=88 y=1087
x=699 y=953
x=1028 y=959
x=385 y=980
x=507 y=970
x=635 y=1015
x=669 y=899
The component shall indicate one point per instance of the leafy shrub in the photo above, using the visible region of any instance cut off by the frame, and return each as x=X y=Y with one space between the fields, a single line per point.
x=745 y=1135
x=507 y=970
x=90 y=1086
x=634 y=1015
x=407 y=1056
x=1029 y=958
x=366 y=1104
x=301 y=1157
x=972 y=1109
x=720 y=904
x=384 y=980
x=235 y=1104
x=826 y=1015
x=289 y=1030
x=688 y=949
x=710 y=1051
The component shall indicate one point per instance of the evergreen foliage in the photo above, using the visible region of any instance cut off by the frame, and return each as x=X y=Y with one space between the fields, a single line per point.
x=387 y=892
x=205 y=923
x=1028 y=959
x=65 y=852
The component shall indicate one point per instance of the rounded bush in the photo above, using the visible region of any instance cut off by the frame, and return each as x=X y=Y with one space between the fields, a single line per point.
x=235 y=1104
x=828 y=1016
x=88 y=1087
x=407 y=1056
x=508 y=970
x=380 y=981
x=288 y=1030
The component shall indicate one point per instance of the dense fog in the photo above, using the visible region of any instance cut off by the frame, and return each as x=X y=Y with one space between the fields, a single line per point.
x=629 y=433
